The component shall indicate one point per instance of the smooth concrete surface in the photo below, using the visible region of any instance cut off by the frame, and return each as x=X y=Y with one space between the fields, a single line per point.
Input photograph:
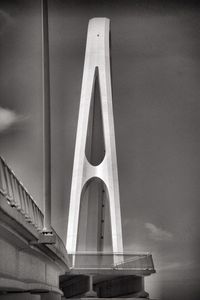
x=73 y=286
x=131 y=298
x=50 y=296
x=24 y=296
x=29 y=296
x=120 y=286
x=97 y=63
x=25 y=264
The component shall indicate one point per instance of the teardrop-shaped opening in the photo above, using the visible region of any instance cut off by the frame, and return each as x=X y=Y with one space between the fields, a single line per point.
x=94 y=230
x=95 y=145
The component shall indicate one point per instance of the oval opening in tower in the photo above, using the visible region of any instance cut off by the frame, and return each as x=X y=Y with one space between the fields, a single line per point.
x=95 y=144
x=94 y=229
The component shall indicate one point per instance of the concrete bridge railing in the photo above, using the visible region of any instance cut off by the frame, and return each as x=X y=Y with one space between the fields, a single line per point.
x=17 y=196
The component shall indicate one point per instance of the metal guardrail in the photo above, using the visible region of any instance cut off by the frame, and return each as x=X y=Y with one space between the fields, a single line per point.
x=17 y=196
x=115 y=261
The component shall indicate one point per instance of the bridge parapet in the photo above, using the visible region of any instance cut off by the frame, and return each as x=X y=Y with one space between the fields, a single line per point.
x=17 y=196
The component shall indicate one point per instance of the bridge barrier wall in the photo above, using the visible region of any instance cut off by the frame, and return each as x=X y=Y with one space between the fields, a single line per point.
x=17 y=196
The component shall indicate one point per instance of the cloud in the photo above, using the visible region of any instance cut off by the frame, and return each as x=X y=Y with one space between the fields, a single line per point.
x=177 y=265
x=171 y=266
x=8 y=118
x=158 y=234
x=5 y=20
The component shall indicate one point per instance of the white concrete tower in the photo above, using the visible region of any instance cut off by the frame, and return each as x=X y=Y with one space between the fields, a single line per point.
x=96 y=68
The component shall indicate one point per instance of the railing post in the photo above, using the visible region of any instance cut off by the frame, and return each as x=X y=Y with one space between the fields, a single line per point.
x=2 y=177
x=12 y=184
x=9 y=192
x=22 y=200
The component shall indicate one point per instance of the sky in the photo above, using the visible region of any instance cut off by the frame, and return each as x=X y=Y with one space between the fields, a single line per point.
x=156 y=92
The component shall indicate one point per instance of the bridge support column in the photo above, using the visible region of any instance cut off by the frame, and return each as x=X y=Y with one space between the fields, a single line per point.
x=91 y=292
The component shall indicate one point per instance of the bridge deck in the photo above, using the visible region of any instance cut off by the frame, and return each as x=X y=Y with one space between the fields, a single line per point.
x=29 y=262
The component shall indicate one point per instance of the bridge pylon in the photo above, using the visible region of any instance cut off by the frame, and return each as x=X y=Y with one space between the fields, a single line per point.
x=96 y=72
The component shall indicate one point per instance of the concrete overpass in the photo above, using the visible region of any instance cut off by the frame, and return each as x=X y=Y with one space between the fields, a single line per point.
x=30 y=262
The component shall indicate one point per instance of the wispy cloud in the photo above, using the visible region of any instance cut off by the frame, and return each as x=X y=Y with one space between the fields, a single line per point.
x=5 y=20
x=157 y=233
x=177 y=265
x=171 y=266
x=8 y=118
